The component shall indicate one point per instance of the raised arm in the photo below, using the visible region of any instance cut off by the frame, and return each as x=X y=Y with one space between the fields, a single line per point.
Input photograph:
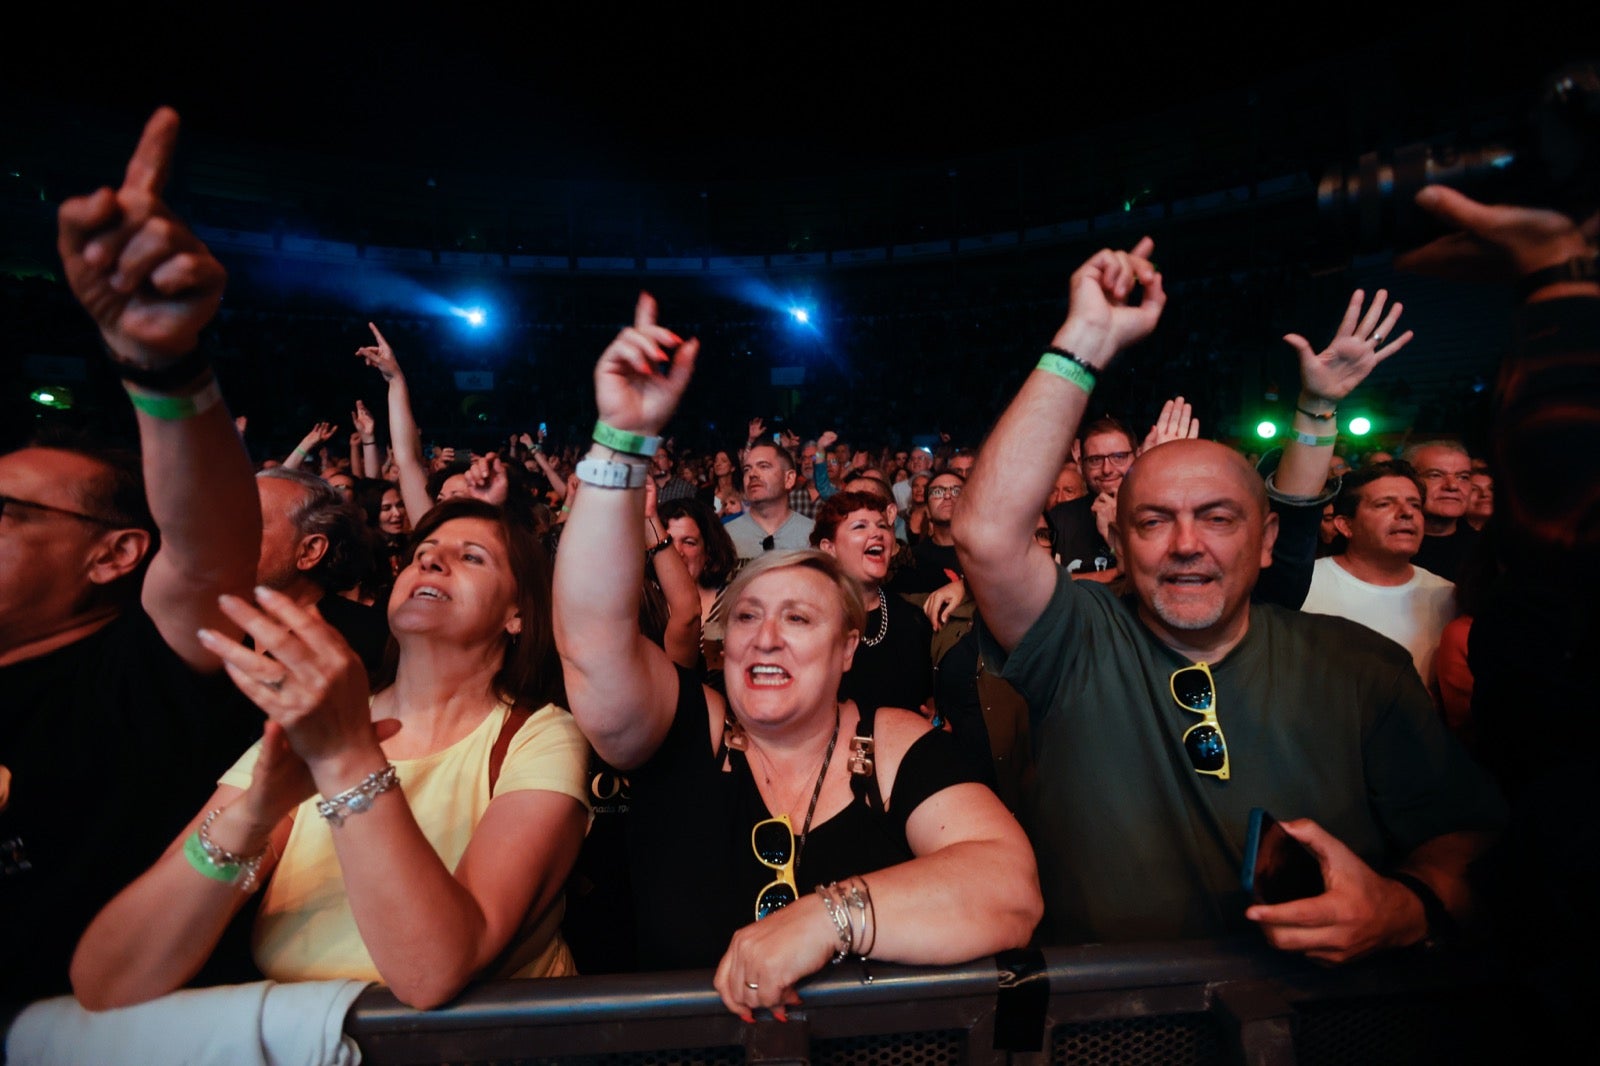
x=151 y=287
x=1017 y=467
x=1327 y=377
x=404 y=440
x=367 y=428
x=621 y=687
x=315 y=437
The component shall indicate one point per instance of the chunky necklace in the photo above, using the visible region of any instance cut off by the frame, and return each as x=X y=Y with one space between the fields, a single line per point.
x=883 y=622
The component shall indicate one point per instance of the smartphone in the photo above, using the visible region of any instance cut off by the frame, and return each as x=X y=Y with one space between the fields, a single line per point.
x=542 y=429
x=1277 y=867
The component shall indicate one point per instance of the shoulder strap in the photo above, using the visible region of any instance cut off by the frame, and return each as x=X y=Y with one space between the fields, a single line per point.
x=863 y=765
x=515 y=716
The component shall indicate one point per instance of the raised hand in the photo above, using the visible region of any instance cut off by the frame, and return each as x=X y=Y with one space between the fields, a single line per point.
x=1176 y=422
x=758 y=426
x=318 y=435
x=1101 y=321
x=146 y=280
x=828 y=439
x=380 y=356
x=362 y=419
x=487 y=479
x=1360 y=343
x=629 y=393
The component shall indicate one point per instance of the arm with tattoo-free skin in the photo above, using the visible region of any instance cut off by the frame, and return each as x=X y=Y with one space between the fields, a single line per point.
x=1016 y=469
x=404 y=439
x=152 y=286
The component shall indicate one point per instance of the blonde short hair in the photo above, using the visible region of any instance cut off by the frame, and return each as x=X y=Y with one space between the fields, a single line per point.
x=855 y=614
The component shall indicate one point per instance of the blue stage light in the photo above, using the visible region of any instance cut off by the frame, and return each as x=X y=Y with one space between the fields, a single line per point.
x=800 y=315
x=475 y=316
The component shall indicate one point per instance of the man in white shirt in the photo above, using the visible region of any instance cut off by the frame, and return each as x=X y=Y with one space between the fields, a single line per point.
x=1379 y=512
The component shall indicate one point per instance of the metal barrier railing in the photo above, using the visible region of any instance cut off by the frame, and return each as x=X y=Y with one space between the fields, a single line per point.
x=1193 y=1002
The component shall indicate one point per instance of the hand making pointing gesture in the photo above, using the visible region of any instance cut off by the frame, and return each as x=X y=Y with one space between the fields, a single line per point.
x=147 y=281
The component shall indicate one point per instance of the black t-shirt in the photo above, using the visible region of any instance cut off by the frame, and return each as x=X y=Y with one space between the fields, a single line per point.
x=897 y=671
x=1446 y=555
x=689 y=831
x=934 y=565
x=1079 y=545
x=364 y=627
x=113 y=743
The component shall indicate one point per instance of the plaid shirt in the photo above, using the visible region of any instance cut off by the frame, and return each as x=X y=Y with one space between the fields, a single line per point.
x=800 y=500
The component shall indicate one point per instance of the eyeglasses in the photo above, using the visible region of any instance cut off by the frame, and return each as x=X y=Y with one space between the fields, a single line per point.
x=6 y=501
x=1195 y=690
x=773 y=843
x=1095 y=462
x=939 y=492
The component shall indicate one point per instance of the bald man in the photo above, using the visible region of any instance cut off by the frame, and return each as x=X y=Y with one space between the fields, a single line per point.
x=1161 y=718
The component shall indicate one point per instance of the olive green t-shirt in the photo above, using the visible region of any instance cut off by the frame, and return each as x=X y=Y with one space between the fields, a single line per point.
x=1323 y=718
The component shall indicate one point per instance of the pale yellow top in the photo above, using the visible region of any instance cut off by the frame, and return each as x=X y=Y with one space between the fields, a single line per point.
x=306 y=930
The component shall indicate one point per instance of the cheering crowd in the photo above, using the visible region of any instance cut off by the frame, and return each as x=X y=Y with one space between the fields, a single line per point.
x=350 y=707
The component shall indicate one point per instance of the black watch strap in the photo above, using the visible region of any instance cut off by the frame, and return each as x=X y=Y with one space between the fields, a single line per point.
x=1442 y=928
x=1578 y=268
x=170 y=378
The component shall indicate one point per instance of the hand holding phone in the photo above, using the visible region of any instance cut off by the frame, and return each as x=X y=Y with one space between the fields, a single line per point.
x=1277 y=868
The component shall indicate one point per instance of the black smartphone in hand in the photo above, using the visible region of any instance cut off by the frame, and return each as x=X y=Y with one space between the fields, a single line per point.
x=1277 y=868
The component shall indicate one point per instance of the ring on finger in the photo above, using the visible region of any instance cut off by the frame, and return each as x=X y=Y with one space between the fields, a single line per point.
x=276 y=684
x=752 y=986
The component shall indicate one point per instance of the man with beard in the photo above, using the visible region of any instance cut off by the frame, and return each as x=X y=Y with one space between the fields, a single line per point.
x=768 y=522
x=1160 y=719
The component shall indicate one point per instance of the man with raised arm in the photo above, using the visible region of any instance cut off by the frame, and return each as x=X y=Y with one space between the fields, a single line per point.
x=116 y=721
x=1160 y=719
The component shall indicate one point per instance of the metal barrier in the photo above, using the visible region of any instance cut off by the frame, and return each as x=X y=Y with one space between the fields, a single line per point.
x=1204 y=1002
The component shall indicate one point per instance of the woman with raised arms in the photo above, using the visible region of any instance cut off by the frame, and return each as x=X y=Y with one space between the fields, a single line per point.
x=739 y=806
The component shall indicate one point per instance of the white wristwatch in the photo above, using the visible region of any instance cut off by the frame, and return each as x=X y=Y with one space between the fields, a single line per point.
x=608 y=475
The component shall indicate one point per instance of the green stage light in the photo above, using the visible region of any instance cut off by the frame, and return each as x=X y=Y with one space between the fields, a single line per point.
x=59 y=399
x=1266 y=430
x=1360 y=426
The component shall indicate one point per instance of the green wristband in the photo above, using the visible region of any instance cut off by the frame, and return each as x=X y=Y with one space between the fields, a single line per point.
x=195 y=852
x=174 y=408
x=1314 y=440
x=619 y=440
x=1068 y=369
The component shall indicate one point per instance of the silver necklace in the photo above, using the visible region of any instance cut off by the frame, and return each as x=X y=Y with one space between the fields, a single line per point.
x=883 y=622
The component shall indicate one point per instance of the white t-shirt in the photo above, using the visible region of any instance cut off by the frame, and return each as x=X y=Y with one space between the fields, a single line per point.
x=1412 y=615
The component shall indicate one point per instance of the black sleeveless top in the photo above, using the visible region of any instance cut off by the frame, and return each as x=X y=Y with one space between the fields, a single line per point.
x=695 y=877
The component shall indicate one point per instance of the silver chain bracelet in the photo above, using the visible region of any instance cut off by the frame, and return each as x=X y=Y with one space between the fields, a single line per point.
x=358 y=798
